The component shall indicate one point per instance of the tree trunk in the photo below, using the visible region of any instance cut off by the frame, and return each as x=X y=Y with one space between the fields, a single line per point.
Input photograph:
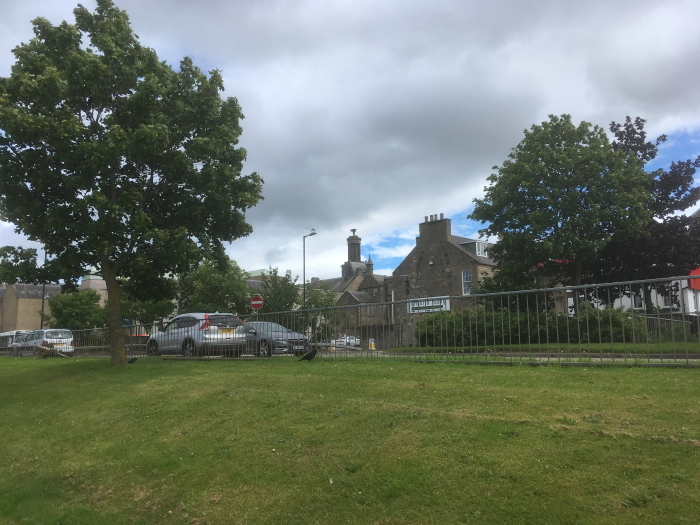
x=576 y=281
x=578 y=271
x=648 y=305
x=117 y=335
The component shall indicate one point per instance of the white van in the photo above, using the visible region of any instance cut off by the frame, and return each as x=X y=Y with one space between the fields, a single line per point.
x=49 y=338
x=15 y=336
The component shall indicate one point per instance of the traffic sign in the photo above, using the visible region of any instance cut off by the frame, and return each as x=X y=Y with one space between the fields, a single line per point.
x=256 y=302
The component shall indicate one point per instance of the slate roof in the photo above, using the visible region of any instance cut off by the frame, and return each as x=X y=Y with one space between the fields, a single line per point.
x=372 y=281
x=31 y=291
x=359 y=298
x=336 y=284
x=460 y=243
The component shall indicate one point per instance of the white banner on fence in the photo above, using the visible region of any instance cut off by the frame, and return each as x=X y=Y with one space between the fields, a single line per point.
x=428 y=304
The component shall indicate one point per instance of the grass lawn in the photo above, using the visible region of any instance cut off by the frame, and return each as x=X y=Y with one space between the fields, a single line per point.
x=677 y=351
x=336 y=441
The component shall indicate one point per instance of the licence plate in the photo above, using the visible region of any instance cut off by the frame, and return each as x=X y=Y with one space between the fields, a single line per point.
x=226 y=330
x=297 y=348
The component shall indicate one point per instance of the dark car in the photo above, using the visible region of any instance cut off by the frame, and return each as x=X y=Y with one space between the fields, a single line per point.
x=271 y=338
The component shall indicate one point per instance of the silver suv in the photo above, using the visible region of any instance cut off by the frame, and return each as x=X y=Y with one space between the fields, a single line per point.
x=197 y=334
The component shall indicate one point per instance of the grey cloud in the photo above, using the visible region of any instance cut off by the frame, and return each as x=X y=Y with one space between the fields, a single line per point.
x=378 y=112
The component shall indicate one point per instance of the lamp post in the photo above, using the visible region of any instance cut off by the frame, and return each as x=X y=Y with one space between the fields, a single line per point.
x=303 y=274
x=43 y=295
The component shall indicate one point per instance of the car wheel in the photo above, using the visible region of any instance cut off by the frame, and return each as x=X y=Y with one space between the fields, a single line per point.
x=264 y=349
x=189 y=348
x=152 y=348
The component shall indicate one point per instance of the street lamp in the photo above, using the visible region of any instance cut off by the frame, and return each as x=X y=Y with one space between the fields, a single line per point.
x=43 y=295
x=303 y=275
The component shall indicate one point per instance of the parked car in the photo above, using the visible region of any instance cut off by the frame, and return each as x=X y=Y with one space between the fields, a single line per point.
x=196 y=334
x=57 y=339
x=347 y=341
x=268 y=338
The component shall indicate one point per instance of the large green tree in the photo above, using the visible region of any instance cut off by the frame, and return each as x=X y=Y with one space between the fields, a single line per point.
x=559 y=198
x=214 y=287
x=111 y=158
x=280 y=292
x=76 y=310
x=669 y=246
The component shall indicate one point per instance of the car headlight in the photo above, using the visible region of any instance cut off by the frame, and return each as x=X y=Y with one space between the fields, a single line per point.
x=282 y=341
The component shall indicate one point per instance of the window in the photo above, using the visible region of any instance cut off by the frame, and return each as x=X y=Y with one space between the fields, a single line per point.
x=481 y=249
x=637 y=300
x=466 y=282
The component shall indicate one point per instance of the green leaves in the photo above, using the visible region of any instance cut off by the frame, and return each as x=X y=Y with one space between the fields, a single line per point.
x=110 y=158
x=215 y=287
x=78 y=310
x=561 y=196
x=280 y=292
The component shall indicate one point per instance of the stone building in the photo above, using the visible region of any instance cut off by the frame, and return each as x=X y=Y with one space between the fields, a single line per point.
x=94 y=281
x=358 y=286
x=357 y=278
x=440 y=265
x=21 y=305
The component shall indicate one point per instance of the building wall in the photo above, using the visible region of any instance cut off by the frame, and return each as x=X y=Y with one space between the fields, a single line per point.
x=434 y=269
x=94 y=282
x=29 y=314
x=435 y=265
x=23 y=313
x=9 y=310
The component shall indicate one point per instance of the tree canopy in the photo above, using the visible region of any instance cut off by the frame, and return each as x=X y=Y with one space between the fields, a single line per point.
x=213 y=287
x=146 y=312
x=111 y=158
x=280 y=292
x=319 y=296
x=669 y=246
x=76 y=310
x=559 y=199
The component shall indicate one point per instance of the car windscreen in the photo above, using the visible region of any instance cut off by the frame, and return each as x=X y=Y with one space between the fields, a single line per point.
x=225 y=321
x=58 y=334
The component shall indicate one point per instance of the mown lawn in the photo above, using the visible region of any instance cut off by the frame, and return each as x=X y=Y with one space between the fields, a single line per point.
x=336 y=441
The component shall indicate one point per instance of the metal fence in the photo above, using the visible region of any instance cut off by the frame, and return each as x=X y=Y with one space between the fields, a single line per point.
x=637 y=322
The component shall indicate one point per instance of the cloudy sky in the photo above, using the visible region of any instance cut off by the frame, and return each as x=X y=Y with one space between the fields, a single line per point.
x=373 y=114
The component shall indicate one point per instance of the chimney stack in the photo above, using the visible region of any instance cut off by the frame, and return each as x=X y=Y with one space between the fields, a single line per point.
x=354 y=247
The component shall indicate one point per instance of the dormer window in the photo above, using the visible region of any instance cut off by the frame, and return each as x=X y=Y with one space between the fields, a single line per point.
x=481 y=249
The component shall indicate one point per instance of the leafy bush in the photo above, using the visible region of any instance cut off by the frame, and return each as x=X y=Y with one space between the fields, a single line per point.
x=482 y=326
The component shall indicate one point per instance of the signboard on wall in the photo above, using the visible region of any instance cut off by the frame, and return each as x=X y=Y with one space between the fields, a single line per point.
x=427 y=305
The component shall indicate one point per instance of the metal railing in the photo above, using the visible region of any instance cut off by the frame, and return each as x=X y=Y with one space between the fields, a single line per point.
x=651 y=321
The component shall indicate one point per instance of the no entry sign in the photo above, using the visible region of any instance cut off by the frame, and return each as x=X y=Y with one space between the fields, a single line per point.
x=256 y=302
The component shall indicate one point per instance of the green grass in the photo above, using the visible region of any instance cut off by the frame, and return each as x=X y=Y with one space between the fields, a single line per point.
x=345 y=441
x=640 y=350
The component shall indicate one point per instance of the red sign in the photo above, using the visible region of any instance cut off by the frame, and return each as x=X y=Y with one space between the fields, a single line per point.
x=256 y=302
x=695 y=283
